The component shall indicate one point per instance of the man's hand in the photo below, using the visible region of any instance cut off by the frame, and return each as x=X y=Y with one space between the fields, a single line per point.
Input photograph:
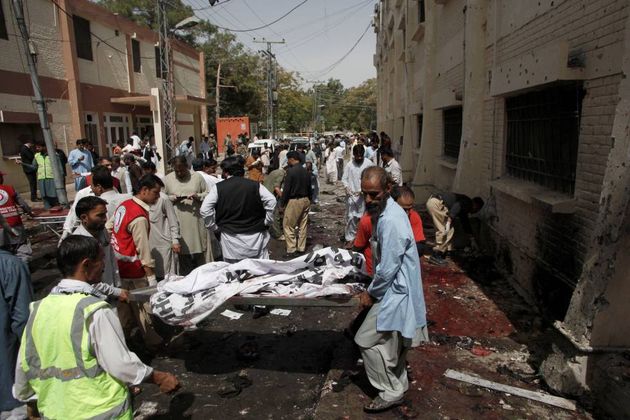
x=365 y=300
x=124 y=296
x=166 y=381
x=177 y=248
x=82 y=157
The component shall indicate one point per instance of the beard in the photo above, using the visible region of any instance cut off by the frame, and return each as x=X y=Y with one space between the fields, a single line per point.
x=376 y=208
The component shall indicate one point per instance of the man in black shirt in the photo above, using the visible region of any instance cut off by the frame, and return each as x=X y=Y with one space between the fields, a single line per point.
x=296 y=203
x=27 y=154
x=444 y=208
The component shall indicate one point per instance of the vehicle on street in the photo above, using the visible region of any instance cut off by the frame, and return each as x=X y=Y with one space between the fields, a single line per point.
x=261 y=143
x=299 y=141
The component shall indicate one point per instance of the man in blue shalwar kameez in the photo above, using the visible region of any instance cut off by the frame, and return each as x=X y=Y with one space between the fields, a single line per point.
x=397 y=318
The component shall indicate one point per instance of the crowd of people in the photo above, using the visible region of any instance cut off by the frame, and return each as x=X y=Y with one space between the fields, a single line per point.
x=130 y=227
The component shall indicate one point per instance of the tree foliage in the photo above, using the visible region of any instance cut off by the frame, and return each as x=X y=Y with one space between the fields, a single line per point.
x=245 y=70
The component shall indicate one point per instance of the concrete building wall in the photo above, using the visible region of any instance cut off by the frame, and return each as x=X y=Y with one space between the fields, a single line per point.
x=478 y=54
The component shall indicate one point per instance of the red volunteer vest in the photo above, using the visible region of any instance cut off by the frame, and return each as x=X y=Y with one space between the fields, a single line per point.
x=8 y=207
x=125 y=249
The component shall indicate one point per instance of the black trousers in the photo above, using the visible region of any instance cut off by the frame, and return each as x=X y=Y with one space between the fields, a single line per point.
x=32 y=183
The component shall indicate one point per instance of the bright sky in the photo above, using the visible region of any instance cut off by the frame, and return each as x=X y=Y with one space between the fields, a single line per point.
x=318 y=34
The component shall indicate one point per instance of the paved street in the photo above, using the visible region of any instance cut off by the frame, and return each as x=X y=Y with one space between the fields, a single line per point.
x=477 y=325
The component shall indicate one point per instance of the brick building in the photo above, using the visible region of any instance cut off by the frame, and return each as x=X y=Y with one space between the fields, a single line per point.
x=525 y=104
x=98 y=71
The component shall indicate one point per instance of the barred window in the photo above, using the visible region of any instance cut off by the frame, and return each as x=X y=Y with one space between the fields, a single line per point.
x=421 y=15
x=452 y=120
x=135 y=55
x=3 y=24
x=419 y=122
x=82 y=37
x=159 y=71
x=542 y=136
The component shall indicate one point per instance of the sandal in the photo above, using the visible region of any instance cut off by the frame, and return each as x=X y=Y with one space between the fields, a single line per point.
x=378 y=404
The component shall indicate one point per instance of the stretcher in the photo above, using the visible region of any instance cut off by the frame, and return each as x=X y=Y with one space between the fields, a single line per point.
x=144 y=294
x=52 y=220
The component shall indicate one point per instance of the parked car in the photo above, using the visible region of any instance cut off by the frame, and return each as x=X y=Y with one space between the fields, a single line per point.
x=260 y=145
x=297 y=141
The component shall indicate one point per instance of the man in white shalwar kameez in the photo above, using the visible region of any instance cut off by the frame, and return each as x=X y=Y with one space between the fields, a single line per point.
x=355 y=205
x=164 y=237
x=241 y=210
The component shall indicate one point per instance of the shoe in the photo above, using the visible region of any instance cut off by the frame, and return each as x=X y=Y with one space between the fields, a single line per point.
x=378 y=405
x=437 y=260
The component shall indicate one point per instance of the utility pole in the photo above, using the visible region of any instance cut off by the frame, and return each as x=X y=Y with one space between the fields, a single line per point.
x=29 y=47
x=169 y=111
x=217 y=108
x=315 y=102
x=271 y=92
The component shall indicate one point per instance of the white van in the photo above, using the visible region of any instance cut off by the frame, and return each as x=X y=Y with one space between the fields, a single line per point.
x=260 y=145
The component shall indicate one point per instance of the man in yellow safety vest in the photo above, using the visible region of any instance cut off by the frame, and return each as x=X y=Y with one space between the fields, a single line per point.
x=73 y=358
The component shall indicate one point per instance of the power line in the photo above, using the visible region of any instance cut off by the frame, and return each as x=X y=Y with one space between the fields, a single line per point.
x=331 y=67
x=266 y=25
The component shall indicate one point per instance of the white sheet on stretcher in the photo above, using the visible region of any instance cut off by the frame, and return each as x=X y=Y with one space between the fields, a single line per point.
x=185 y=301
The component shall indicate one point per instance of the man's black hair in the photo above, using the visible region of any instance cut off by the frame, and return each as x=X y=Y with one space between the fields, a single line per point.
x=87 y=204
x=401 y=191
x=358 y=150
x=233 y=165
x=197 y=164
x=73 y=250
x=102 y=158
x=478 y=202
x=209 y=162
x=179 y=160
x=293 y=154
x=129 y=157
x=116 y=159
x=149 y=181
x=387 y=151
x=101 y=176
x=149 y=165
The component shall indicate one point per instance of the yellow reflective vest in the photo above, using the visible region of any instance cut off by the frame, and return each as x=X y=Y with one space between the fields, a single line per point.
x=44 y=166
x=58 y=362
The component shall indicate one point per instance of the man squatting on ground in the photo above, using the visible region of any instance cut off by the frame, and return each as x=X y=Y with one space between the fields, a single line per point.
x=397 y=318
x=444 y=208
x=73 y=357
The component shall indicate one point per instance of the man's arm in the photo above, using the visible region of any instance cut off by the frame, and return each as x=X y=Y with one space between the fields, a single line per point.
x=207 y=209
x=23 y=204
x=19 y=295
x=139 y=229
x=269 y=203
x=392 y=246
x=171 y=217
x=113 y=355
x=289 y=179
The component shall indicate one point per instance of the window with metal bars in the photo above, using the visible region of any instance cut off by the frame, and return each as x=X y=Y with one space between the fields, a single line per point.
x=452 y=121
x=3 y=23
x=419 y=120
x=82 y=37
x=159 y=71
x=542 y=136
x=421 y=16
x=135 y=55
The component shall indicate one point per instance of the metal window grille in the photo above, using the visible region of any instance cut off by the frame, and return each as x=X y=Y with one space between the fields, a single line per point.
x=83 y=37
x=542 y=136
x=421 y=16
x=419 y=121
x=135 y=53
x=3 y=24
x=159 y=70
x=452 y=120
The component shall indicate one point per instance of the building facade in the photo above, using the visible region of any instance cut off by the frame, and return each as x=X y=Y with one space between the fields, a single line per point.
x=524 y=103
x=99 y=73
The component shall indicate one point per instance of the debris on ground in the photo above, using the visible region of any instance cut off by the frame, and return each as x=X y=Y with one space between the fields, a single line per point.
x=236 y=383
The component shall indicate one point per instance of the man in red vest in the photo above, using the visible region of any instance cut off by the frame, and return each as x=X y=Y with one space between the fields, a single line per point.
x=130 y=241
x=15 y=239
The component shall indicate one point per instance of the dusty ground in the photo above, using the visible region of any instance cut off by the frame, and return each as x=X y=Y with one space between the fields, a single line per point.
x=477 y=324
